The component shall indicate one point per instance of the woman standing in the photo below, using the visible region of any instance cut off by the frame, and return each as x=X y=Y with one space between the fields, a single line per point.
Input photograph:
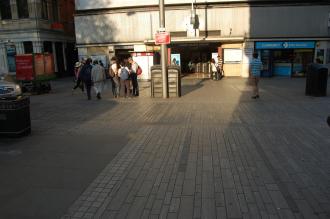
x=114 y=77
x=124 y=80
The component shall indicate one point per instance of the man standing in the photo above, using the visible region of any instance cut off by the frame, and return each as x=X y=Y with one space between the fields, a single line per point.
x=134 y=68
x=255 y=69
x=98 y=78
x=86 y=76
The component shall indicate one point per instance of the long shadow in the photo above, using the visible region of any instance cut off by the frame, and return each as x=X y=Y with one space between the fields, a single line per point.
x=190 y=85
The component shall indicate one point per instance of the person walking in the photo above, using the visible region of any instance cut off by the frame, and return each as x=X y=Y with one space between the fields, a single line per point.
x=124 y=79
x=214 y=70
x=78 y=82
x=86 y=76
x=255 y=69
x=114 y=77
x=98 y=78
x=134 y=69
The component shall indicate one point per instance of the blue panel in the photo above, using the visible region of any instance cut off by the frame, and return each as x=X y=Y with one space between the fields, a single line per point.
x=286 y=45
x=282 y=70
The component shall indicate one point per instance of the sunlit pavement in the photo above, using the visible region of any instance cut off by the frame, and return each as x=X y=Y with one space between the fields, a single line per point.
x=213 y=153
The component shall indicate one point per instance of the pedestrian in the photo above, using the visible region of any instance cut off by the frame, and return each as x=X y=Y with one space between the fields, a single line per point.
x=134 y=70
x=328 y=120
x=86 y=76
x=124 y=79
x=78 y=81
x=114 y=77
x=98 y=78
x=214 y=70
x=255 y=69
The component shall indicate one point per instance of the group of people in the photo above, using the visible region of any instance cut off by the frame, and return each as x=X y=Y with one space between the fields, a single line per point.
x=123 y=76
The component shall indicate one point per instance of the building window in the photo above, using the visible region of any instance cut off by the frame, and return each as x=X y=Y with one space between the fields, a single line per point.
x=5 y=9
x=55 y=10
x=28 y=47
x=44 y=9
x=48 y=47
x=22 y=9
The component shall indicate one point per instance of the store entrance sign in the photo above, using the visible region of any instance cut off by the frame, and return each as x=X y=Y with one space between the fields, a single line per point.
x=162 y=38
x=286 y=45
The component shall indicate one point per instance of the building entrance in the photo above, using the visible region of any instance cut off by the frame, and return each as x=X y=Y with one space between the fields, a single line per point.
x=194 y=58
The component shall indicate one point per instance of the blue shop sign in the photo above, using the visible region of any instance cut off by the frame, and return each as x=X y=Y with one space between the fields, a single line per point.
x=286 y=45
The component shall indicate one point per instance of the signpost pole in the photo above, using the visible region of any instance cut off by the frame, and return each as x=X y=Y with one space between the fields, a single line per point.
x=163 y=49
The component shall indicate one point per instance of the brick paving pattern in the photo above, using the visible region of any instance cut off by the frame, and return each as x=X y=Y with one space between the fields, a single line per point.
x=215 y=153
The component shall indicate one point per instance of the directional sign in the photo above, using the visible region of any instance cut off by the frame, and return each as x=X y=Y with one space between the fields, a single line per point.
x=162 y=38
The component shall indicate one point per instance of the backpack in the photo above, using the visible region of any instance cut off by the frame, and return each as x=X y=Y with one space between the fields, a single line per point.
x=124 y=74
x=139 y=70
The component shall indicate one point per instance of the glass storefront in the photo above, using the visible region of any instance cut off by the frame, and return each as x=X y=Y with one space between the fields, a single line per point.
x=285 y=58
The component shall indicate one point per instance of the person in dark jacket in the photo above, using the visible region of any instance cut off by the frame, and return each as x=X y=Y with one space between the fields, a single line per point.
x=86 y=76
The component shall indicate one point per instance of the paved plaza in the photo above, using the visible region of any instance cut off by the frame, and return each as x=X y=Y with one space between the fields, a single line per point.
x=213 y=153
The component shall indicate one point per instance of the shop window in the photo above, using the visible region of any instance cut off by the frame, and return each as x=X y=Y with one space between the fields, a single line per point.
x=28 y=47
x=11 y=53
x=22 y=9
x=48 y=47
x=5 y=9
x=328 y=56
x=44 y=9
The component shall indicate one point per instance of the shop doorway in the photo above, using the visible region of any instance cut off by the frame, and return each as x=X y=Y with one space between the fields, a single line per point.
x=194 y=58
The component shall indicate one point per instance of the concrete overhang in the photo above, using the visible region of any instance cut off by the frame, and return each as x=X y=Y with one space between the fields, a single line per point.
x=176 y=40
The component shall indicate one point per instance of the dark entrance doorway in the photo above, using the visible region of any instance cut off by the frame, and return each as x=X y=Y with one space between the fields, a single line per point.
x=195 y=57
x=60 y=59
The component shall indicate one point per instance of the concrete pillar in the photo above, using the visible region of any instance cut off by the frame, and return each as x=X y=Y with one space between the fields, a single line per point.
x=19 y=48
x=64 y=55
x=37 y=46
x=55 y=57
x=248 y=48
x=3 y=59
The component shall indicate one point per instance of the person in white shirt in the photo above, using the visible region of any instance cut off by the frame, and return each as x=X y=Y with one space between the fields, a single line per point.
x=98 y=78
x=114 y=76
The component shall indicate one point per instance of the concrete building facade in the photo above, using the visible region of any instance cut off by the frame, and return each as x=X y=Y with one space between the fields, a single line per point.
x=287 y=34
x=37 y=26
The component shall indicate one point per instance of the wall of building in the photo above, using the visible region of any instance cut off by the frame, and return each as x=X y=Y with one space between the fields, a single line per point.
x=259 y=22
x=37 y=30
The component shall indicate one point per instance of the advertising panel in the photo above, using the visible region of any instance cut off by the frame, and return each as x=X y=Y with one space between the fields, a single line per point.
x=11 y=52
x=24 y=67
x=39 y=65
x=49 y=64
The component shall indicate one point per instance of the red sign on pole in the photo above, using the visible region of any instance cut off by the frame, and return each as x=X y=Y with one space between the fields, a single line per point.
x=24 y=67
x=162 y=38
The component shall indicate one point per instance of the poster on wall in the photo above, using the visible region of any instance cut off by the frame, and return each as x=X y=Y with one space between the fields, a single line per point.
x=11 y=53
x=49 y=64
x=39 y=65
x=102 y=58
x=215 y=57
x=145 y=60
x=175 y=59
x=233 y=55
x=24 y=67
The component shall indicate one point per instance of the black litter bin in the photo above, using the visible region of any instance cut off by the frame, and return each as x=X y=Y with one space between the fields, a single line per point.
x=15 y=117
x=316 y=80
